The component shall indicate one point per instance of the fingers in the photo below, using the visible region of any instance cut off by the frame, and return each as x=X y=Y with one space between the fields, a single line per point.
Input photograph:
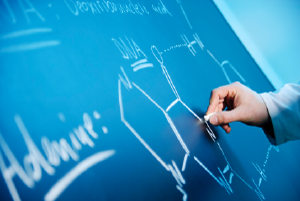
x=214 y=120
x=218 y=97
x=226 y=117
x=226 y=97
x=226 y=128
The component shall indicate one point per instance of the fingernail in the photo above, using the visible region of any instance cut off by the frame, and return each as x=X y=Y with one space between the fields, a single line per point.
x=214 y=120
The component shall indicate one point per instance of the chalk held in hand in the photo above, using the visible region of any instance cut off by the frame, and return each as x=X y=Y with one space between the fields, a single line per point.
x=207 y=117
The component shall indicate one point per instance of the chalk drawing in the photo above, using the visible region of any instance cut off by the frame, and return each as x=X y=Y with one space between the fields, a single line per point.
x=29 y=46
x=179 y=2
x=75 y=172
x=141 y=64
x=26 y=32
x=221 y=180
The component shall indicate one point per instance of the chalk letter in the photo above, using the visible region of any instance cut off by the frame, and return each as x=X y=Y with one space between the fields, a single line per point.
x=74 y=11
x=88 y=125
x=32 y=148
x=9 y=11
x=164 y=9
x=131 y=52
x=121 y=49
x=83 y=136
x=15 y=168
x=30 y=9
x=56 y=150
x=137 y=49
x=126 y=82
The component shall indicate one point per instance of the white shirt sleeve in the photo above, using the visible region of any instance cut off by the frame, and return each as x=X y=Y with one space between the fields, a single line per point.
x=284 y=110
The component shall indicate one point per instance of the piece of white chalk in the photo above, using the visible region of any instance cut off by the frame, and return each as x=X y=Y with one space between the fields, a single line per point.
x=206 y=117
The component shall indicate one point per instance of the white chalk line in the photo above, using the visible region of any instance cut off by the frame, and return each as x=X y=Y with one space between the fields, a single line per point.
x=25 y=32
x=241 y=179
x=167 y=117
x=81 y=167
x=178 y=173
x=175 y=175
x=258 y=193
x=134 y=132
x=104 y=129
x=29 y=46
x=224 y=71
x=210 y=132
x=96 y=115
x=189 y=45
x=230 y=177
x=145 y=144
x=209 y=172
x=212 y=56
x=147 y=96
x=141 y=66
x=184 y=163
x=177 y=133
x=120 y=100
x=186 y=17
x=233 y=68
x=138 y=62
x=171 y=105
x=198 y=41
x=227 y=185
x=179 y=2
x=170 y=81
x=195 y=115
x=260 y=180
x=226 y=169
x=183 y=192
x=126 y=83
x=228 y=166
x=174 y=47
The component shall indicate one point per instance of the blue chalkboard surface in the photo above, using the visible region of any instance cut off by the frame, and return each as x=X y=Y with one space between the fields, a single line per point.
x=100 y=100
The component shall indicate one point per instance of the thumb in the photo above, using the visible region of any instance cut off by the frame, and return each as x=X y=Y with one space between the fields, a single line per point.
x=226 y=117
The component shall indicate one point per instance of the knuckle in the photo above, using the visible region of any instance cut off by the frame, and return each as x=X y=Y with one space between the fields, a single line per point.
x=212 y=92
x=225 y=119
x=212 y=95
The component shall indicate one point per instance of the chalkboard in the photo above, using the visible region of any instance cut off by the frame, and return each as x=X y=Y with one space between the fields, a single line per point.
x=100 y=100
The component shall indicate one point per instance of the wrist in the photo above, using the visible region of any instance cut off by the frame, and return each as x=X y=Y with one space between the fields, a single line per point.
x=267 y=126
x=262 y=114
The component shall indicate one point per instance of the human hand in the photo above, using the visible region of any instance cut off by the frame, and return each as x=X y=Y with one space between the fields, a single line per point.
x=241 y=104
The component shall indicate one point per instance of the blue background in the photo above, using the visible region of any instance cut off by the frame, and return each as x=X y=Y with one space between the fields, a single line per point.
x=80 y=75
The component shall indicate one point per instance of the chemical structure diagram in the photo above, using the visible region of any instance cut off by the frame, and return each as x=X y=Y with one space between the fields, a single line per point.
x=227 y=173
